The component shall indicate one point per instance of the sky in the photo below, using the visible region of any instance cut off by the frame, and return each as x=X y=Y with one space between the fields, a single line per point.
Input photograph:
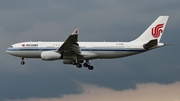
x=150 y=76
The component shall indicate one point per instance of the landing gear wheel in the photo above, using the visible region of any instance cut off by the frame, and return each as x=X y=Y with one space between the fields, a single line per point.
x=22 y=62
x=74 y=63
x=85 y=64
x=90 y=67
x=79 y=65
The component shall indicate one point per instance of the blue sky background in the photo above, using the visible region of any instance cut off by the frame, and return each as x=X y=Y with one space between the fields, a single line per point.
x=97 y=20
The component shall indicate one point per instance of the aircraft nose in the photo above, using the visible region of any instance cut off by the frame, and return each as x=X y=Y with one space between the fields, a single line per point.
x=12 y=51
x=8 y=50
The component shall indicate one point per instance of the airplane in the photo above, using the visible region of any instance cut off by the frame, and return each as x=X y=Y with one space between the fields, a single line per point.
x=79 y=53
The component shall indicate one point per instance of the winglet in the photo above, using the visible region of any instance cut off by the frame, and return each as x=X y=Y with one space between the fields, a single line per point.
x=75 y=32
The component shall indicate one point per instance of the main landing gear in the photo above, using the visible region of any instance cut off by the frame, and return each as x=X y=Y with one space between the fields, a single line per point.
x=77 y=64
x=22 y=62
x=86 y=64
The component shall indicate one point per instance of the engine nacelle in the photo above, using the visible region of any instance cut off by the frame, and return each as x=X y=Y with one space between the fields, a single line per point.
x=50 y=55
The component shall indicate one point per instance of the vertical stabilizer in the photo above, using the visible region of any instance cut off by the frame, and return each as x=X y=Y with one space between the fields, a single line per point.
x=154 y=31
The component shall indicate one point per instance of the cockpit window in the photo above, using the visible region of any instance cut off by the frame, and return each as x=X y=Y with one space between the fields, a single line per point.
x=11 y=47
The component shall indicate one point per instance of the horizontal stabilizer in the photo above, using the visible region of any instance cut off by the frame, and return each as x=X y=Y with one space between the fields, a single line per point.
x=150 y=44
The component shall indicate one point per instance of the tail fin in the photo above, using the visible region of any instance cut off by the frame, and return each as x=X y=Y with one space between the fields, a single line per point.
x=154 y=31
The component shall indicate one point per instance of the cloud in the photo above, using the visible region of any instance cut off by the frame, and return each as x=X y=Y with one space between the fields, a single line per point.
x=144 y=92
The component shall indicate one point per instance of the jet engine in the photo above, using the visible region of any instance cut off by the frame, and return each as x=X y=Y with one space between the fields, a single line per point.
x=50 y=55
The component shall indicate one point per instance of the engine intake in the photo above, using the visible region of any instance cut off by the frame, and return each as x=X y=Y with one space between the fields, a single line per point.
x=50 y=55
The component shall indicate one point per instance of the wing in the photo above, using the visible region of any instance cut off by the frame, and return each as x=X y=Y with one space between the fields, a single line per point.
x=70 y=46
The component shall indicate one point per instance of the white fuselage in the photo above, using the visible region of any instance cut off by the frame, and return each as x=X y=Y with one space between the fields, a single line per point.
x=90 y=50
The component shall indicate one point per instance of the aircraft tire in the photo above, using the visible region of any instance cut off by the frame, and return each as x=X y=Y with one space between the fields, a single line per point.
x=90 y=67
x=22 y=62
x=74 y=63
x=85 y=65
x=79 y=65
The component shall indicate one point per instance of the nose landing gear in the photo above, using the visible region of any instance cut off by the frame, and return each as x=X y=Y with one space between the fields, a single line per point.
x=22 y=62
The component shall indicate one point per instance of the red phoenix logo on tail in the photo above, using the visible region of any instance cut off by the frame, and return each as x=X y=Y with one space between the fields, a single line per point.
x=156 y=31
